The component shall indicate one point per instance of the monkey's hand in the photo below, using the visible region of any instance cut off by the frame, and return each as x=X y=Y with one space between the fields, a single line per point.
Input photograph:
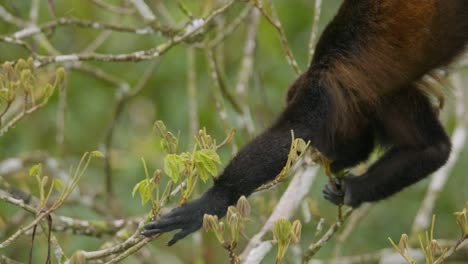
x=188 y=218
x=343 y=192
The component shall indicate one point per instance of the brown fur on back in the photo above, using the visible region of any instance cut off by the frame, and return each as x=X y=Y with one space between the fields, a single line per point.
x=393 y=43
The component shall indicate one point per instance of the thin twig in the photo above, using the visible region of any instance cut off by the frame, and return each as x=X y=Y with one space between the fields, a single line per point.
x=276 y=23
x=313 y=33
x=103 y=36
x=9 y=18
x=221 y=83
x=18 y=202
x=97 y=42
x=219 y=100
x=60 y=123
x=452 y=250
x=245 y=72
x=192 y=91
x=34 y=12
x=133 y=249
x=315 y=247
x=290 y=200
x=132 y=241
x=354 y=220
x=189 y=30
x=18 y=42
x=20 y=116
x=123 y=96
x=7 y=260
x=144 y=10
x=217 y=91
x=32 y=30
x=113 y=8
x=5 y=109
x=97 y=73
x=22 y=230
x=228 y=30
x=163 y=11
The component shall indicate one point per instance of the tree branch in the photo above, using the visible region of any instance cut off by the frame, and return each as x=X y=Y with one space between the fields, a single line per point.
x=300 y=185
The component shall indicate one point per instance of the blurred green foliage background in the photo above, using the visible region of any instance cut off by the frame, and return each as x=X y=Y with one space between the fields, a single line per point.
x=90 y=105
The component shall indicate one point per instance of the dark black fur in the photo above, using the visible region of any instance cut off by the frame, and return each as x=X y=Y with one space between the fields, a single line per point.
x=402 y=119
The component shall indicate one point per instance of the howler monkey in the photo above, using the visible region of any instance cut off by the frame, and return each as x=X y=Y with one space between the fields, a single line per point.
x=363 y=88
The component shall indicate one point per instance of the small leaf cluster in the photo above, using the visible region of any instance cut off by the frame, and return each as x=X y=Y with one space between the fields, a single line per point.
x=146 y=187
x=183 y=168
x=201 y=163
x=42 y=181
x=433 y=252
x=23 y=76
x=64 y=189
x=286 y=233
x=169 y=142
x=462 y=221
x=403 y=248
x=429 y=246
x=236 y=217
x=203 y=159
x=297 y=150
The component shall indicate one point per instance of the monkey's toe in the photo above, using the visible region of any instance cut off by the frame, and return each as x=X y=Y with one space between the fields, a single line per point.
x=332 y=195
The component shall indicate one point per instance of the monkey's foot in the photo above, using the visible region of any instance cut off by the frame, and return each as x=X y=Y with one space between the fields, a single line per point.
x=332 y=194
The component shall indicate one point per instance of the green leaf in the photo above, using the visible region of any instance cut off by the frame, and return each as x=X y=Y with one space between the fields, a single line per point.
x=173 y=166
x=44 y=181
x=60 y=76
x=169 y=142
x=210 y=154
x=165 y=145
x=58 y=185
x=135 y=189
x=97 y=154
x=159 y=128
x=282 y=230
x=36 y=170
x=202 y=172
x=21 y=65
x=205 y=162
x=145 y=193
x=49 y=90
x=78 y=258
x=145 y=189
x=301 y=145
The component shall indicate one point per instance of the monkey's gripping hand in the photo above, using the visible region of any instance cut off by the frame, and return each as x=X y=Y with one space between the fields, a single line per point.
x=343 y=192
x=189 y=217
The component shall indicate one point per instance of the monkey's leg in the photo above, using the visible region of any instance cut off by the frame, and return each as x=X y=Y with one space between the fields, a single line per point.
x=419 y=146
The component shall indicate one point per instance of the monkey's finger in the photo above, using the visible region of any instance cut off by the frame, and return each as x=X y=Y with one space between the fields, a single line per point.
x=325 y=191
x=339 y=189
x=328 y=188
x=329 y=193
x=338 y=182
x=155 y=228
x=151 y=232
x=181 y=235
x=166 y=223
x=334 y=199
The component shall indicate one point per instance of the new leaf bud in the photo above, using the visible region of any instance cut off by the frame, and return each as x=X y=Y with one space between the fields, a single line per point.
x=243 y=206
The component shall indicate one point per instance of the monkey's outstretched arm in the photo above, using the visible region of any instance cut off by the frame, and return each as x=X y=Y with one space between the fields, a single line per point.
x=257 y=163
